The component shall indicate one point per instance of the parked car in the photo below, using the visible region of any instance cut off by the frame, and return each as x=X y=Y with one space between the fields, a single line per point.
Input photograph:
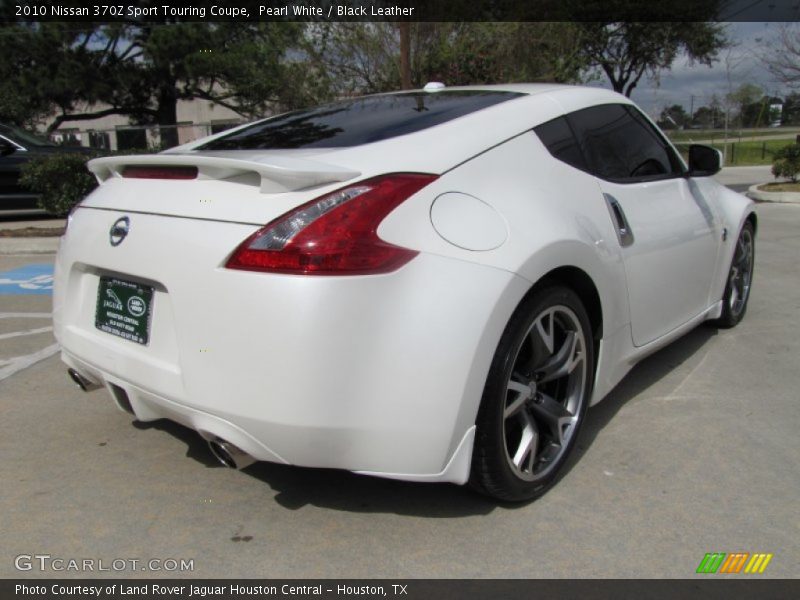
x=17 y=147
x=428 y=285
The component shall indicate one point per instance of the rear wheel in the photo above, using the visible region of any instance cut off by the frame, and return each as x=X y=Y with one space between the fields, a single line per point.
x=535 y=398
x=740 y=279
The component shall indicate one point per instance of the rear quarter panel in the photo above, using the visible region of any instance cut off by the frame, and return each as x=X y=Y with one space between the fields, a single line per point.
x=555 y=217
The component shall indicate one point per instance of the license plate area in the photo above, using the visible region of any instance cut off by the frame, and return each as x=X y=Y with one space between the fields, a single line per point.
x=124 y=308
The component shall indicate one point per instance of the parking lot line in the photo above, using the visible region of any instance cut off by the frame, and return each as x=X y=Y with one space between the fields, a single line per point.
x=18 y=363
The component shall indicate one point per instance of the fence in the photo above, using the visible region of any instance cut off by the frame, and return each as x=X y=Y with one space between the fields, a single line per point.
x=739 y=147
x=139 y=137
x=743 y=153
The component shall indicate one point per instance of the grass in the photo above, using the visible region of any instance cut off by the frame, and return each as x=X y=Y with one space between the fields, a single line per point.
x=744 y=153
x=734 y=135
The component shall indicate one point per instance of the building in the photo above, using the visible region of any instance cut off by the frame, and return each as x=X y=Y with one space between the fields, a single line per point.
x=196 y=119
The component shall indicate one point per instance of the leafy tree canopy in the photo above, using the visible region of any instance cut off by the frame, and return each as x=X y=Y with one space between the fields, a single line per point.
x=626 y=51
x=364 y=57
x=142 y=69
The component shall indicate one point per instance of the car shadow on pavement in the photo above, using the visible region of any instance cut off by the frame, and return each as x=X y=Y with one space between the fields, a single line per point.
x=298 y=487
x=344 y=491
x=642 y=376
x=196 y=446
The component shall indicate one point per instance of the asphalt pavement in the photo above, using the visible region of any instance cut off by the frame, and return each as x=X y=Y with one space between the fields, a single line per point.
x=696 y=451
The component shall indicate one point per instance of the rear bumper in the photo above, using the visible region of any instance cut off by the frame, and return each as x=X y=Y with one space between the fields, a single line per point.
x=379 y=374
x=146 y=406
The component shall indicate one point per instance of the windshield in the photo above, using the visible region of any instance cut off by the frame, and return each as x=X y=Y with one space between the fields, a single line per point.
x=359 y=121
x=22 y=137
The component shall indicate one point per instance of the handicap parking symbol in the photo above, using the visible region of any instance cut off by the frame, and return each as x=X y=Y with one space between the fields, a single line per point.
x=30 y=279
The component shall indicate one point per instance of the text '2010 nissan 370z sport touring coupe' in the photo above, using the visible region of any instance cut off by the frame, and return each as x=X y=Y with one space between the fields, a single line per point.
x=430 y=285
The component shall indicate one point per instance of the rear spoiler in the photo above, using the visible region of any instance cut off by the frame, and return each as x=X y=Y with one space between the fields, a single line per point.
x=277 y=173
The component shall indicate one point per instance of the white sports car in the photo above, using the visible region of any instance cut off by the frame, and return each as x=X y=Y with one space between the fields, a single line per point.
x=430 y=285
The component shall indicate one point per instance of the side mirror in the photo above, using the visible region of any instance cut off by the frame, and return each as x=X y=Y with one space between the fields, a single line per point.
x=6 y=147
x=704 y=161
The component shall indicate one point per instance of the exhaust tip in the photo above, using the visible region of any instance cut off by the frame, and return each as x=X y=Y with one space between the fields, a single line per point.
x=82 y=382
x=229 y=455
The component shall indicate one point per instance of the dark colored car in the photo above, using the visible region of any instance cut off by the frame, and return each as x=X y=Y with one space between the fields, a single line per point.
x=17 y=147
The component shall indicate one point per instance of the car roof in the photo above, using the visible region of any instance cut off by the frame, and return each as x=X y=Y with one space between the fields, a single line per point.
x=454 y=142
x=592 y=95
x=443 y=146
x=517 y=88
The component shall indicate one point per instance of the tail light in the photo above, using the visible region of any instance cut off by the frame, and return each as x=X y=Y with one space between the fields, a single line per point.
x=335 y=234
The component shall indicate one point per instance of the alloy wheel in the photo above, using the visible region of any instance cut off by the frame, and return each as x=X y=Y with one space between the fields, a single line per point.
x=545 y=393
x=741 y=272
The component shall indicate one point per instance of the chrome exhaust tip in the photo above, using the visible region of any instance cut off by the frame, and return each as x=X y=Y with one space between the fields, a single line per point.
x=229 y=455
x=82 y=382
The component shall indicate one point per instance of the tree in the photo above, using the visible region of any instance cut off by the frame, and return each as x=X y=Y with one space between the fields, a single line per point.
x=626 y=51
x=366 y=57
x=760 y=113
x=709 y=117
x=142 y=69
x=354 y=57
x=782 y=57
x=673 y=117
x=791 y=109
x=47 y=68
x=243 y=66
x=506 y=52
x=61 y=179
x=786 y=162
x=748 y=99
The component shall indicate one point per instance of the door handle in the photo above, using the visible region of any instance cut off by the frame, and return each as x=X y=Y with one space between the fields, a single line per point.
x=621 y=225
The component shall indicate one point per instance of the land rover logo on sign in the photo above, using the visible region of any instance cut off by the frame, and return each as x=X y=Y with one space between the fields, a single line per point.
x=119 y=230
x=136 y=306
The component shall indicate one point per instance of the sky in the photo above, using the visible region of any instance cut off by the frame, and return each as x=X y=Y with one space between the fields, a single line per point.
x=741 y=61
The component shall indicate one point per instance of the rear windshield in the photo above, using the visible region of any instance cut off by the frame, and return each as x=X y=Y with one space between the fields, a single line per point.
x=359 y=121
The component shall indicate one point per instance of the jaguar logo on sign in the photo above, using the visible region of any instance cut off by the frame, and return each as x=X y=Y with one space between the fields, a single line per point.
x=119 y=231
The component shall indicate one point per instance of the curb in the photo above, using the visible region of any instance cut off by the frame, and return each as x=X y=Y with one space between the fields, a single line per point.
x=782 y=197
x=43 y=245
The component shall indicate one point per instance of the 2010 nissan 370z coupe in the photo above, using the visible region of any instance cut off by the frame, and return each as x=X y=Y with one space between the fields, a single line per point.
x=430 y=285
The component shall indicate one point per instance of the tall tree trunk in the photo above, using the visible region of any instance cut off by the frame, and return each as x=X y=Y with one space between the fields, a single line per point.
x=405 y=55
x=168 y=117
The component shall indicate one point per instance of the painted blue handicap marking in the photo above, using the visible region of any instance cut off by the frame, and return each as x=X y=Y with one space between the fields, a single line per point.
x=30 y=279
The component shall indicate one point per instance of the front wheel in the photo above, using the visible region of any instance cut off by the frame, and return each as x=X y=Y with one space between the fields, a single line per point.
x=740 y=279
x=535 y=398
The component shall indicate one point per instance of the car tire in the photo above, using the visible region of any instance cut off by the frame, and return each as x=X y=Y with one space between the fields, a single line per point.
x=740 y=280
x=536 y=396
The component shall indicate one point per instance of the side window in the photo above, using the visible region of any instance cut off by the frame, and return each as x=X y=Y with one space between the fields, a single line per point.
x=557 y=136
x=676 y=165
x=620 y=145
